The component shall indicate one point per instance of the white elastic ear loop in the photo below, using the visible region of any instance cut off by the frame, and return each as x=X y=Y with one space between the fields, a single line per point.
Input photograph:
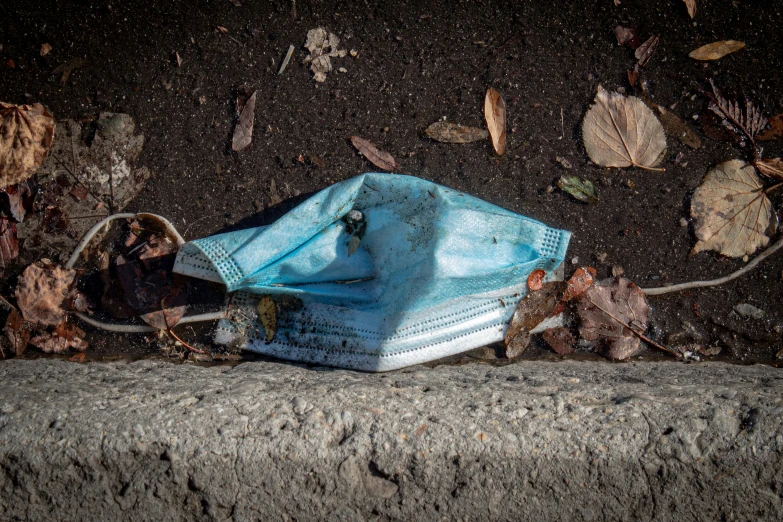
x=134 y=328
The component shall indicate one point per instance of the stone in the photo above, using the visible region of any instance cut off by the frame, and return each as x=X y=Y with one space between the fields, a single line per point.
x=748 y=311
x=537 y=440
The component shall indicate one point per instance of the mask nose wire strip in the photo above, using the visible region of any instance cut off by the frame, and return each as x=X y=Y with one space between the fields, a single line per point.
x=133 y=328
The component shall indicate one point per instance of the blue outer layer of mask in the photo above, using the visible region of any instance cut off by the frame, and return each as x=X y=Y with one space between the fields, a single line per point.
x=436 y=272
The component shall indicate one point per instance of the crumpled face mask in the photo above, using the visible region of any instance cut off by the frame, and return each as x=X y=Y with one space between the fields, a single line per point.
x=376 y=273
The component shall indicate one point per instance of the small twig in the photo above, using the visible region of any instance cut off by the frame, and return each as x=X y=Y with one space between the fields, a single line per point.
x=185 y=233
x=8 y=303
x=136 y=248
x=773 y=187
x=655 y=169
x=186 y=345
x=287 y=58
x=562 y=125
x=715 y=282
x=636 y=333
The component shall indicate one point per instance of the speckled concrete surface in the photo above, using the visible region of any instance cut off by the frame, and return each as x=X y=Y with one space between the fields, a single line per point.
x=268 y=441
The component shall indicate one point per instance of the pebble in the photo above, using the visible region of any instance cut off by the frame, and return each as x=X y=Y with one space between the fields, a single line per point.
x=749 y=311
x=301 y=406
x=342 y=70
x=575 y=261
x=683 y=222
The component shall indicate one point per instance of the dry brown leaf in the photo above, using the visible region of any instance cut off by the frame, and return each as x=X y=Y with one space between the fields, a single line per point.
x=67 y=68
x=536 y=280
x=495 y=114
x=45 y=49
x=17 y=333
x=380 y=158
x=646 y=50
x=26 y=134
x=64 y=337
x=9 y=243
x=691 y=5
x=744 y=120
x=448 y=132
x=731 y=210
x=560 y=339
x=775 y=129
x=716 y=50
x=531 y=310
x=579 y=281
x=620 y=132
x=677 y=128
x=243 y=132
x=772 y=168
x=606 y=312
x=43 y=290
x=267 y=313
x=626 y=35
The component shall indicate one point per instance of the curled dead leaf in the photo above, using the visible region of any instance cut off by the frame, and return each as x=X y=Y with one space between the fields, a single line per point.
x=536 y=280
x=622 y=131
x=243 y=132
x=380 y=158
x=64 y=337
x=531 y=310
x=646 y=50
x=772 y=168
x=691 y=5
x=495 y=115
x=17 y=333
x=731 y=210
x=612 y=315
x=716 y=50
x=579 y=281
x=45 y=49
x=43 y=292
x=9 y=243
x=448 y=132
x=26 y=135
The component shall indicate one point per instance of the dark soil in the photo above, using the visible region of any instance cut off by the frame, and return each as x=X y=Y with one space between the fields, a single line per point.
x=417 y=63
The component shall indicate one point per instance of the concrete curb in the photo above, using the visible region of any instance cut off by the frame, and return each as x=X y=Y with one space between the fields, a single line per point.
x=532 y=441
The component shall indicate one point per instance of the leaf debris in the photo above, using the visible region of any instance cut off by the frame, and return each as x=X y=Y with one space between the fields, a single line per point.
x=495 y=115
x=580 y=189
x=26 y=135
x=621 y=131
x=731 y=210
x=614 y=316
x=243 y=132
x=645 y=51
x=379 y=158
x=448 y=132
x=716 y=50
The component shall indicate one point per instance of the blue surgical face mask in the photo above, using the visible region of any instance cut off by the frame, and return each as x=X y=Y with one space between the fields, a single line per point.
x=376 y=273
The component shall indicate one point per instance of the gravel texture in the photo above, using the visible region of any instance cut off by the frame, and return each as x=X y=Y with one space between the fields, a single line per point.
x=537 y=441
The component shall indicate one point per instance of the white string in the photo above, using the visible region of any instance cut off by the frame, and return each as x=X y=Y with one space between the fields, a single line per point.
x=133 y=328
